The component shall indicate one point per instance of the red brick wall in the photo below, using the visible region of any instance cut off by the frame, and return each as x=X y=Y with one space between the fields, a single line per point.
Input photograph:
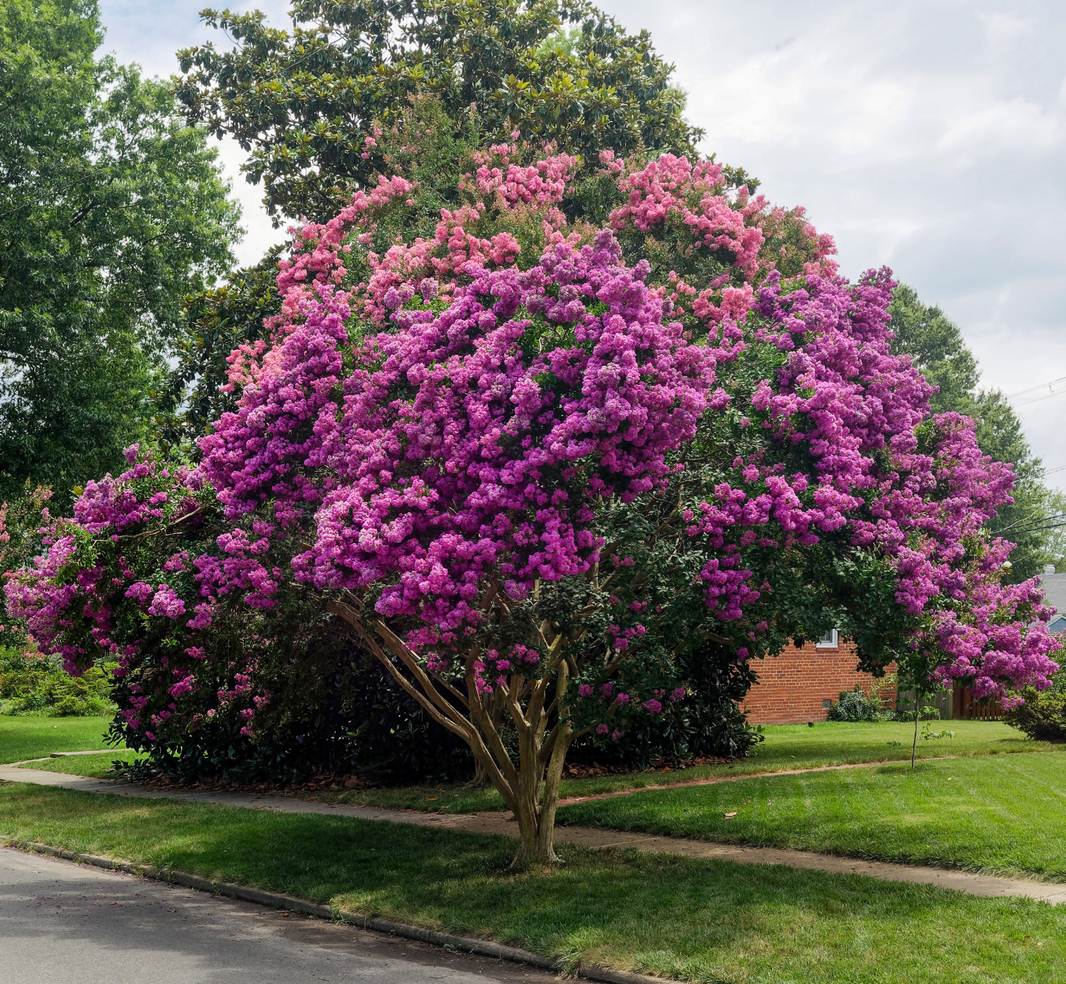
x=792 y=686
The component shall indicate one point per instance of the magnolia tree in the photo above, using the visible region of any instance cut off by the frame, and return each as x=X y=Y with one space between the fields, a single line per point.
x=537 y=461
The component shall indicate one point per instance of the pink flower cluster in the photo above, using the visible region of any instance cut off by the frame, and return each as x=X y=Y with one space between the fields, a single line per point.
x=114 y=601
x=673 y=190
x=882 y=477
x=541 y=183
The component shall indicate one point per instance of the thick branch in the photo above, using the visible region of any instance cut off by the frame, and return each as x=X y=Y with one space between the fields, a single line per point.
x=436 y=708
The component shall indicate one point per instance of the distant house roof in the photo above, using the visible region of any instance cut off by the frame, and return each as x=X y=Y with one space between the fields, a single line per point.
x=1054 y=586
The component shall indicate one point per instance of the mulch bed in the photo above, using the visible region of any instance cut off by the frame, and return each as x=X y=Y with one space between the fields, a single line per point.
x=337 y=782
x=316 y=783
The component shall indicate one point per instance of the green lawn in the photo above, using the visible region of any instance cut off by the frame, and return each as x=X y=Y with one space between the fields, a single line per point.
x=797 y=746
x=34 y=737
x=696 y=920
x=1004 y=814
x=785 y=747
x=978 y=811
x=98 y=766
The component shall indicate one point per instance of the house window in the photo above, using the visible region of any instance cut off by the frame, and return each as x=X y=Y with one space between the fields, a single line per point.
x=828 y=641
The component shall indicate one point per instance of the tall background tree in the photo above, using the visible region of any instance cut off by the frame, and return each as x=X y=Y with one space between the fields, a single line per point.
x=302 y=102
x=936 y=346
x=112 y=209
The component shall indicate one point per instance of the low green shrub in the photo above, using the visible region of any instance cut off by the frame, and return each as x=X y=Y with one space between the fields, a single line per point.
x=708 y=723
x=343 y=714
x=860 y=705
x=346 y=715
x=34 y=684
x=1042 y=716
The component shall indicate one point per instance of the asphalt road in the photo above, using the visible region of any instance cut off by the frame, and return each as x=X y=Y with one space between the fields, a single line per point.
x=64 y=923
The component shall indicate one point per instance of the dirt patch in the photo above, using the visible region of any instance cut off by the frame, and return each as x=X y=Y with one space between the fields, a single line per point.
x=331 y=782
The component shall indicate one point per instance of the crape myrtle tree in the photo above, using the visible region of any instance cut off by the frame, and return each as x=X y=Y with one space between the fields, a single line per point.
x=535 y=466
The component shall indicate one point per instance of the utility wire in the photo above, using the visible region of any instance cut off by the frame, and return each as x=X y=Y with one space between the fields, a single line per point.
x=1038 y=527
x=1010 y=397
x=1038 y=399
x=1034 y=389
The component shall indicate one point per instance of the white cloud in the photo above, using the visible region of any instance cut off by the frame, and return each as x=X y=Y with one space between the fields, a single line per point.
x=259 y=234
x=925 y=134
x=1017 y=127
x=1006 y=29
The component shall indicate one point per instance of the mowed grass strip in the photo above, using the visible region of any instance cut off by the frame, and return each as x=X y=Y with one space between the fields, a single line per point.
x=35 y=737
x=692 y=920
x=842 y=742
x=1001 y=814
x=785 y=747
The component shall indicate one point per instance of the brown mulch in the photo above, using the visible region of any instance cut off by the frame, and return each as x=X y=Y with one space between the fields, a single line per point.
x=334 y=782
x=337 y=782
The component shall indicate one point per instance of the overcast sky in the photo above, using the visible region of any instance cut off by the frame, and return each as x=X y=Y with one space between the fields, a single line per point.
x=928 y=135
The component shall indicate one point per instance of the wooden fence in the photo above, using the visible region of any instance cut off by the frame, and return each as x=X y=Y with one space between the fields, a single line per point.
x=955 y=705
x=965 y=707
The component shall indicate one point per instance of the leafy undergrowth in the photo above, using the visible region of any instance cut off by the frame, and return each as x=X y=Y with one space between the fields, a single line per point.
x=34 y=684
x=694 y=920
x=35 y=737
x=1000 y=815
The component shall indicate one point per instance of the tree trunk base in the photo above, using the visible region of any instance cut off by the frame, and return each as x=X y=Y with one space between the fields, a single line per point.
x=524 y=859
x=536 y=846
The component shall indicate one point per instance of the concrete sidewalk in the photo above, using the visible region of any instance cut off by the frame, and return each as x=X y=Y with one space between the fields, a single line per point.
x=496 y=823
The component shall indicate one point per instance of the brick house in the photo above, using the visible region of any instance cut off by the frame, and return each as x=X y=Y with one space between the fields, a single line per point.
x=803 y=682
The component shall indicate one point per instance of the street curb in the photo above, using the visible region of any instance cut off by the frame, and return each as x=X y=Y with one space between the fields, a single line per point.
x=483 y=948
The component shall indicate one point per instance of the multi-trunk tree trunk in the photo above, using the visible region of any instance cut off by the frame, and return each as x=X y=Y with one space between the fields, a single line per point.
x=529 y=779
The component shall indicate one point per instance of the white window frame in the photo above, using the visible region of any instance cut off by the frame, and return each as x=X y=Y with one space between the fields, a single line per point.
x=829 y=641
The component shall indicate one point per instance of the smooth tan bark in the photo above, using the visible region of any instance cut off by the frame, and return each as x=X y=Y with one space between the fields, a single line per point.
x=530 y=786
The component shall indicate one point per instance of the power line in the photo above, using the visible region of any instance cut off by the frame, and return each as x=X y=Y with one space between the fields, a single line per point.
x=1010 y=397
x=1041 y=526
x=1034 y=389
x=1037 y=399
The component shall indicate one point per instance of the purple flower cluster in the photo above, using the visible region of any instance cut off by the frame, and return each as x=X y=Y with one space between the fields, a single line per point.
x=442 y=437
x=464 y=446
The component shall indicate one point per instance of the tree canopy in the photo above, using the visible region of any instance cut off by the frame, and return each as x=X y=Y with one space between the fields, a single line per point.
x=303 y=102
x=111 y=210
x=535 y=463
